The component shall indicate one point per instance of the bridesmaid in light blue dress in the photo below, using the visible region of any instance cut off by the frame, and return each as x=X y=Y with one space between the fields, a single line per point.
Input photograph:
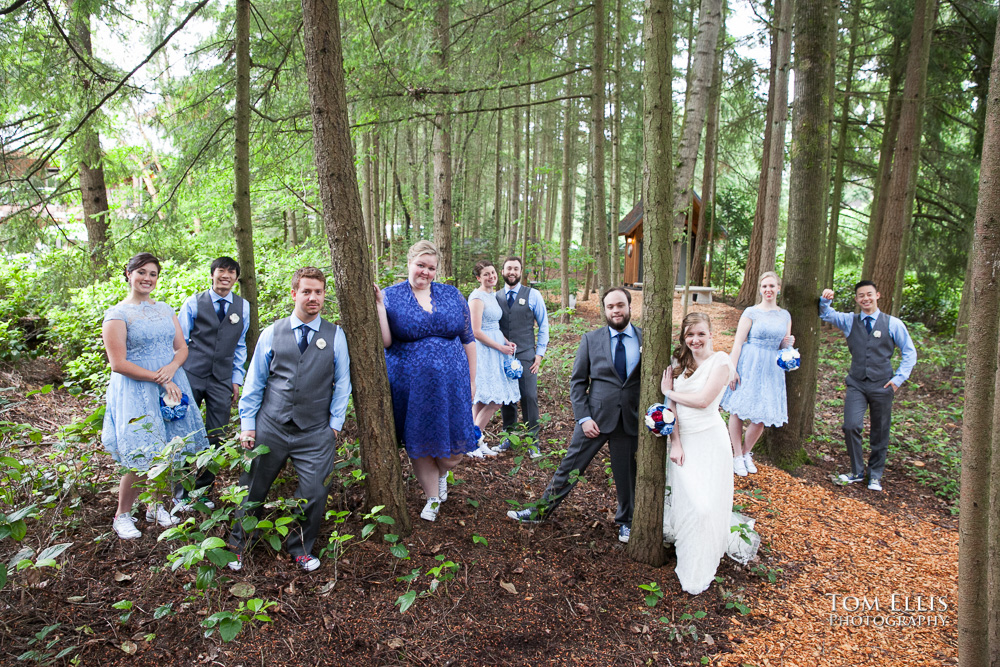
x=757 y=392
x=493 y=387
x=146 y=349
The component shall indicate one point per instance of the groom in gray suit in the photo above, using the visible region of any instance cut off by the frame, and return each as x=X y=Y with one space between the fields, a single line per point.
x=604 y=390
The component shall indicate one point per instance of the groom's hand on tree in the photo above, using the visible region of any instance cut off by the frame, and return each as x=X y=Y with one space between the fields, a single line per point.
x=828 y=294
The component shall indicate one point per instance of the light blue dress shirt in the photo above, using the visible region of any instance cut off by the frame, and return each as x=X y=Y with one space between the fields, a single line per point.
x=257 y=374
x=897 y=331
x=189 y=311
x=631 y=342
x=537 y=305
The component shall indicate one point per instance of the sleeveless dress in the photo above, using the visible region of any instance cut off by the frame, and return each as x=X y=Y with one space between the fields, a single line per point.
x=698 y=507
x=492 y=383
x=760 y=395
x=134 y=430
x=429 y=371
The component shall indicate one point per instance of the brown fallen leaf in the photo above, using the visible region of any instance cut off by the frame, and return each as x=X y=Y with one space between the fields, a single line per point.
x=508 y=587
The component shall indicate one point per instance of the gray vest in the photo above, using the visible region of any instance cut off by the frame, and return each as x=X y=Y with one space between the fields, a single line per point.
x=213 y=343
x=871 y=355
x=300 y=384
x=517 y=323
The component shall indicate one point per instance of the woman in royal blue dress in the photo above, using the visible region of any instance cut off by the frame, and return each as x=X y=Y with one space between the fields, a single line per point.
x=430 y=355
x=757 y=392
x=493 y=387
x=146 y=350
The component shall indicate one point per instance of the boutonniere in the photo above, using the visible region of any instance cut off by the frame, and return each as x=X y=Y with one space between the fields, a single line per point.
x=521 y=301
x=320 y=343
x=877 y=333
x=234 y=318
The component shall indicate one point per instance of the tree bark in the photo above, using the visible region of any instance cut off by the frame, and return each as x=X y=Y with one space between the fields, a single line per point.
x=568 y=187
x=599 y=209
x=979 y=529
x=442 y=152
x=763 y=235
x=338 y=186
x=515 y=182
x=646 y=543
x=704 y=237
x=702 y=67
x=809 y=180
x=616 y=147
x=497 y=181
x=243 y=231
x=903 y=184
x=366 y=190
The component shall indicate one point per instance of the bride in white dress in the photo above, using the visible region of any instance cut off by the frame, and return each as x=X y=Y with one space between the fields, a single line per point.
x=698 y=512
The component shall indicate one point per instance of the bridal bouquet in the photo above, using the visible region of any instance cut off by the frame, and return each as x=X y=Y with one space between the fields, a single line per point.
x=788 y=359
x=659 y=420
x=512 y=367
x=172 y=410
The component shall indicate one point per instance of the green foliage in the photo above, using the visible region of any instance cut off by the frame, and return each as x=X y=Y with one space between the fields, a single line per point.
x=653 y=593
x=45 y=651
x=229 y=623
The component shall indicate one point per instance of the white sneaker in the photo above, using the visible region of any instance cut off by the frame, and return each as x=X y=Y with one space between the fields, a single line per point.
x=748 y=462
x=161 y=516
x=486 y=450
x=443 y=487
x=476 y=454
x=430 y=511
x=740 y=466
x=124 y=525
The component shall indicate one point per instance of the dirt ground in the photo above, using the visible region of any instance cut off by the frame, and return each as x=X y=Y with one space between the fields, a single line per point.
x=561 y=592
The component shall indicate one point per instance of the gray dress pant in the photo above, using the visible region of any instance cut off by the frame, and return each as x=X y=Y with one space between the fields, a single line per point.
x=218 y=400
x=313 y=453
x=528 y=384
x=863 y=395
x=581 y=452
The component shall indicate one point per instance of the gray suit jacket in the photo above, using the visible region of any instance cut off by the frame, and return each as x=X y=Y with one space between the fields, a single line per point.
x=597 y=391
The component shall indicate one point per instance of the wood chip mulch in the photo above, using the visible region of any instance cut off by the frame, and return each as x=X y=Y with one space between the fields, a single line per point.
x=840 y=557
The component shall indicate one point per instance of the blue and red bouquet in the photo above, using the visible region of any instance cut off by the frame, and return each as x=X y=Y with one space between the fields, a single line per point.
x=659 y=420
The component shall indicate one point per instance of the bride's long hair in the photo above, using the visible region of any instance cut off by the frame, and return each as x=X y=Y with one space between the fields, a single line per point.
x=684 y=358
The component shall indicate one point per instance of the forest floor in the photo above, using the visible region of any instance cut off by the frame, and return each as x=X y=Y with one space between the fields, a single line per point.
x=561 y=592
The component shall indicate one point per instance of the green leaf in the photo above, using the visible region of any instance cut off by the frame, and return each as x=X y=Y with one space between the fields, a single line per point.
x=367 y=530
x=122 y=604
x=3 y=575
x=206 y=575
x=229 y=628
x=213 y=543
x=399 y=551
x=220 y=557
x=406 y=600
x=163 y=611
x=18 y=529
x=53 y=552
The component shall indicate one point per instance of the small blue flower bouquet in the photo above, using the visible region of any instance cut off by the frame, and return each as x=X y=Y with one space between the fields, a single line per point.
x=788 y=359
x=512 y=367
x=659 y=420
x=174 y=411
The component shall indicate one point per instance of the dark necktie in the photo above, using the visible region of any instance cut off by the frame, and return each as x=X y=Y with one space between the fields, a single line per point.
x=221 y=303
x=868 y=323
x=620 y=365
x=510 y=298
x=304 y=339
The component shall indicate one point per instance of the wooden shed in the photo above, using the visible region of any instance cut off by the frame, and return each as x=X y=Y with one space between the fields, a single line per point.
x=631 y=228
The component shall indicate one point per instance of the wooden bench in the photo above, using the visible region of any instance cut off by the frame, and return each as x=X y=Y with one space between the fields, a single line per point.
x=696 y=295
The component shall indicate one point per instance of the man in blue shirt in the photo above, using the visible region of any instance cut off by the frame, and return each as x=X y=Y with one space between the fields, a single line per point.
x=295 y=402
x=872 y=336
x=522 y=309
x=214 y=323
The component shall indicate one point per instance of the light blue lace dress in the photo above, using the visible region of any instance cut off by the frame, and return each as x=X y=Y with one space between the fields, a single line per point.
x=492 y=383
x=134 y=430
x=760 y=395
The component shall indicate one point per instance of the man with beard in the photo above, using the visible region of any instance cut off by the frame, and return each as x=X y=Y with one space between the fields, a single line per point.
x=604 y=390
x=522 y=309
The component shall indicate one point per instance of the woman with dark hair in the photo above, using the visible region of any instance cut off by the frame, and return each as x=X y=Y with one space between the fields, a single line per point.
x=698 y=508
x=493 y=387
x=146 y=349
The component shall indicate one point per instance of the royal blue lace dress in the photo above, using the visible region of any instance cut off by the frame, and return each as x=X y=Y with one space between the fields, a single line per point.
x=492 y=383
x=760 y=395
x=429 y=372
x=134 y=431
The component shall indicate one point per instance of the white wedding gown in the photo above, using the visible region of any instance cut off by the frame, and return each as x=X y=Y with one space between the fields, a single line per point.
x=698 y=507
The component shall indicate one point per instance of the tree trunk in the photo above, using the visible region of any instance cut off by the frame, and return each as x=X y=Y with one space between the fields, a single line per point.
x=702 y=67
x=838 y=175
x=338 y=186
x=599 y=209
x=243 y=231
x=646 y=543
x=616 y=148
x=515 y=181
x=704 y=237
x=497 y=182
x=809 y=179
x=93 y=189
x=765 y=222
x=978 y=535
x=378 y=236
x=293 y=231
x=442 y=152
x=568 y=172
x=366 y=190
x=903 y=184
x=962 y=321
